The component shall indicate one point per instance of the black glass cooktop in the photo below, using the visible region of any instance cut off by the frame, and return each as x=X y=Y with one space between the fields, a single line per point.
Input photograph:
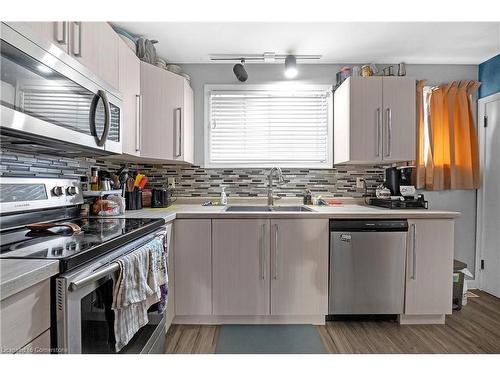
x=97 y=236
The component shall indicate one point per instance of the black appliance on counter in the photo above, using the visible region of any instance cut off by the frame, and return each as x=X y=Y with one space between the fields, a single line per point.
x=398 y=181
x=160 y=198
x=82 y=318
x=400 y=202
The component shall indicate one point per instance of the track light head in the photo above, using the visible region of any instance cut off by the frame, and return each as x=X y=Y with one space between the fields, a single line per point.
x=290 y=66
x=240 y=72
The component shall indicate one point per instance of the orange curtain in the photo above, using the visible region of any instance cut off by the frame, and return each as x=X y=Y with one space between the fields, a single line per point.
x=419 y=171
x=447 y=146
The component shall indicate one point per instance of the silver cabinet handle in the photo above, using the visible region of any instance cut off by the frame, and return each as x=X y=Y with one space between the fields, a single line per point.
x=77 y=39
x=389 y=131
x=378 y=132
x=262 y=255
x=414 y=261
x=61 y=32
x=138 y=122
x=276 y=235
x=178 y=132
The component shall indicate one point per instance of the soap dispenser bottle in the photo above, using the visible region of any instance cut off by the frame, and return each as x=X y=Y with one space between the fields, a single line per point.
x=223 y=196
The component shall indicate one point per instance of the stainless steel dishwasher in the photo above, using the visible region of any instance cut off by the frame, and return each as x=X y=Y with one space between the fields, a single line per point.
x=367 y=266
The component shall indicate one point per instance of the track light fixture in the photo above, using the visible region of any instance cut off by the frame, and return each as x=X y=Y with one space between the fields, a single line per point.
x=239 y=71
x=290 y=66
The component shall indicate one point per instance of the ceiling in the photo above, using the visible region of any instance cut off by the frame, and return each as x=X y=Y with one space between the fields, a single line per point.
x=383 y=42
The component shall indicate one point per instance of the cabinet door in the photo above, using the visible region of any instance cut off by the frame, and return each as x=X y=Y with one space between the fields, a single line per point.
x=129 y=69
x=299 y=267
x=188 y=125
x=357 y=120
x=429 y=273
x=193 y=267
x=399 y=135
x=240 y=250
x=162 y=100
x=56 y=33
x=95 y=45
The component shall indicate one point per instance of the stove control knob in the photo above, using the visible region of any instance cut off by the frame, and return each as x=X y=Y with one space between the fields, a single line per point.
x=72 y=190
x=57 y=191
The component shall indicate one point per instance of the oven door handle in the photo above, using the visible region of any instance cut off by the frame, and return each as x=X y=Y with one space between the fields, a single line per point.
x=77 y=284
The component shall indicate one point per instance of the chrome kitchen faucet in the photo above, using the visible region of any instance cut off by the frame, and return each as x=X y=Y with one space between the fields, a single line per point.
x=270 y=198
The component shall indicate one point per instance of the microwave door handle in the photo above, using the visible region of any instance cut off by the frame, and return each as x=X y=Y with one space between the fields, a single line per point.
x=77 y=284
x=100 y=141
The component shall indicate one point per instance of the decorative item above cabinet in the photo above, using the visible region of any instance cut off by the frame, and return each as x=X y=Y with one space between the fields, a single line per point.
x=374 y=120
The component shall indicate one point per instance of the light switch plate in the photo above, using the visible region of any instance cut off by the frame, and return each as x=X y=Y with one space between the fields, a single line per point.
x=360 y=183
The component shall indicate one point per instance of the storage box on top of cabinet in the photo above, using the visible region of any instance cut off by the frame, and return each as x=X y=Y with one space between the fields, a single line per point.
x=374 y=120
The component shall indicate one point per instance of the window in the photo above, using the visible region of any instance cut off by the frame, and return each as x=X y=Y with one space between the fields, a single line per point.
x=265 y=126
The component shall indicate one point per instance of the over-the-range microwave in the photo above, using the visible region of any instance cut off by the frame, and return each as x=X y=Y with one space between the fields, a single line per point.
x=51 y=103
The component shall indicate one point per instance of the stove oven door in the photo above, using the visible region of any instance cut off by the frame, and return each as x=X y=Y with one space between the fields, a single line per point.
x=85 y=320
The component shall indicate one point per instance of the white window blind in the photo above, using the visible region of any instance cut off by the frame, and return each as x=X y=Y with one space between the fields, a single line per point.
x=256 y=128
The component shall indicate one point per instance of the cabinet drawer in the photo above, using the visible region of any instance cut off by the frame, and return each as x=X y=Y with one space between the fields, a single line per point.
x=25 y=316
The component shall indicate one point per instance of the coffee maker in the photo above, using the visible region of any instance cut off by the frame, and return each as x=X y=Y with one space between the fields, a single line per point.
x=403 y=193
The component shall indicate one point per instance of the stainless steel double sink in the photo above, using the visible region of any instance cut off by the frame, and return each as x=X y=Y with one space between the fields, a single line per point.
x=269 y=209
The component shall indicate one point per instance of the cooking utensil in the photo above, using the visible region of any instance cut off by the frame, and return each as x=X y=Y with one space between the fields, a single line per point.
x=143 y=182
x=115 y=181
x=105 y=184
x=44 y=227
x=130 y=185
x=138 y=179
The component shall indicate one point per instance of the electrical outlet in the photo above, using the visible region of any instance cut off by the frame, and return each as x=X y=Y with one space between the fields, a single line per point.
x=360 y=183
x=171 y=182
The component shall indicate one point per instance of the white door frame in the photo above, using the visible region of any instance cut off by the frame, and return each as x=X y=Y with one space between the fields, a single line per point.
x=477 y=282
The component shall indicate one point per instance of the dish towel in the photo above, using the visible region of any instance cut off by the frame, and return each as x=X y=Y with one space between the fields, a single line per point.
x=132 y=295
x=157 y=275
x=162 y=305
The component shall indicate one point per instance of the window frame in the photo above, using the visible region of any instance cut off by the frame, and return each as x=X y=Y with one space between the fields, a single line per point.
x=285 y=86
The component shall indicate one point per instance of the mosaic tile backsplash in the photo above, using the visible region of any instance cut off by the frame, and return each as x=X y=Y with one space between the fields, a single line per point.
x=192 y=181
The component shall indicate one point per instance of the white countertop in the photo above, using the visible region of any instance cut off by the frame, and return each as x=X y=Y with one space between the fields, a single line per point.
x=19 y=274
x=344 y=211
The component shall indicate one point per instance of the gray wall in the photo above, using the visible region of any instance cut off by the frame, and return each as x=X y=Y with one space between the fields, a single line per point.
x=457 y=200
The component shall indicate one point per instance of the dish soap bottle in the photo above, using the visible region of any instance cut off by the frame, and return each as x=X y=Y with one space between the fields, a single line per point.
x=223 y=197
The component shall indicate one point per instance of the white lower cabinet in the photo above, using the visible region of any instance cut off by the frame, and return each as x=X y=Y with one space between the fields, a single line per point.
x=270 y=267
x=240 y=267
x=25 y=320
x=299 y=267
x=429 y=267
x=193 y=267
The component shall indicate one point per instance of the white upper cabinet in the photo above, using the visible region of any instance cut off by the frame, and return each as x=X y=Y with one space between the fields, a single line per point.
x=374 y=120
x=187 y=122
x=167 y=115
x=129 y=69
x=93 y=44
x=399 y=119
x=56 y=33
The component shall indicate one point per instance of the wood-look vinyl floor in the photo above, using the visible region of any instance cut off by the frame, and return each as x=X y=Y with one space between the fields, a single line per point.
x=474 y=329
